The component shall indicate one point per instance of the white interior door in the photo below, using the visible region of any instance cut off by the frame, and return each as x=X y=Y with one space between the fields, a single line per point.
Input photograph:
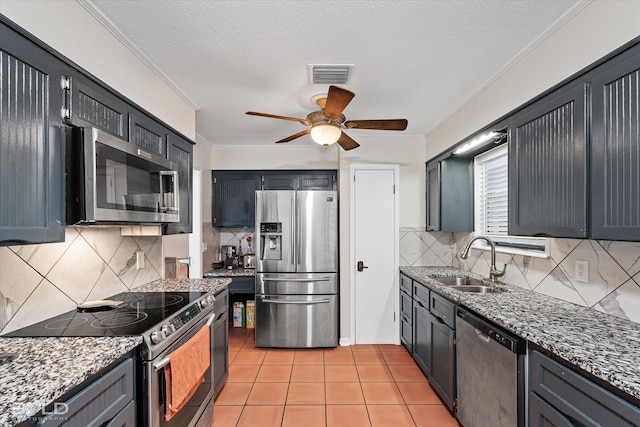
x=375 y=231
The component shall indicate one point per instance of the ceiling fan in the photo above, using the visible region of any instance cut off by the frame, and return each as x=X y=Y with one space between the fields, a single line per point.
x=327 y=125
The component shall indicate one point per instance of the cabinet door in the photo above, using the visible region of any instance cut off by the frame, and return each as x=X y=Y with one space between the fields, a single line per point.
x=421 y=336
x=279 y=181
x=541 y=414
x=220 y=341
x=442 y=357
x=31 y=142
x=234 y=198
x=433 y=196
x=548 y=166
x=456 y=194
x=299 y=180
x=147 y=134
x=317 y=181
x=615 y=203
x=89 y=104
x=180 y=151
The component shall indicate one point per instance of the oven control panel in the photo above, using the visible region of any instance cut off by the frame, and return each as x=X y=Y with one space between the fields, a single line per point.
x=187 y=314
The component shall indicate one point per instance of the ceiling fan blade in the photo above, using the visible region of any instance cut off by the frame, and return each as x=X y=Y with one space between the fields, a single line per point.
x=346 y=142
x=399 y=124
x=337 y=100
x=294 y=136
x=273 y=116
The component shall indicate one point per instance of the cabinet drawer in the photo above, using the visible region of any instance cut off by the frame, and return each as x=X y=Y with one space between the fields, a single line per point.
x=406 y=284
x=443 y=308
x=242 y=285
x=222 y=302
x=100 y=401
x=576 y=396
x=406 y=307
x=421 y=293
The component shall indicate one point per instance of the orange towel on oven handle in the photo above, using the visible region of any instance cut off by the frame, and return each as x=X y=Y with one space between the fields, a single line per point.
x=185 y=372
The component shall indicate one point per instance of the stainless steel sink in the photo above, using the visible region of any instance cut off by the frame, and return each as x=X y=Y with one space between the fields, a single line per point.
x=459 y=281
x=478 y=289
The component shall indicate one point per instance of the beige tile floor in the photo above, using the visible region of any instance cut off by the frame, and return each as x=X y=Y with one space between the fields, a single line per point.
x=362 y=385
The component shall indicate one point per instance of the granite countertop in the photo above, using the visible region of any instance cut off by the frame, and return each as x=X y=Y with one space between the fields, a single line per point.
x=47 y=368
x=237 y=272
x=184 y=285
x=600 y=344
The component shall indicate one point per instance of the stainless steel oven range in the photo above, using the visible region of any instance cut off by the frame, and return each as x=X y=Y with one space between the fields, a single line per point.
x=166 y=321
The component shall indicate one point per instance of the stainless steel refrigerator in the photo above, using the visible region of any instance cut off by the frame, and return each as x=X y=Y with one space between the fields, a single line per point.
x=296 y=269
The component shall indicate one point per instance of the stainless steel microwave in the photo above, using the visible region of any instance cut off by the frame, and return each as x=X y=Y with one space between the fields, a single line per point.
x=111 y=181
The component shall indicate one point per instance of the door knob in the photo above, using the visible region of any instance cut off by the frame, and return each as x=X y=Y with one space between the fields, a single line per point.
x=361 y=266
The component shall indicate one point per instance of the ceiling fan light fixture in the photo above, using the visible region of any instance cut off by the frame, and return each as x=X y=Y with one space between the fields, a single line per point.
x=325 y=133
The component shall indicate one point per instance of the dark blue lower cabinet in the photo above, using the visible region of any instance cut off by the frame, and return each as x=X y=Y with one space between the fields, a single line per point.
x=559 y=396
x=107 y=401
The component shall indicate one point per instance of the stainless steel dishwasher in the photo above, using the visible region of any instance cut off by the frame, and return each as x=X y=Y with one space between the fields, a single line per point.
x=490 y=373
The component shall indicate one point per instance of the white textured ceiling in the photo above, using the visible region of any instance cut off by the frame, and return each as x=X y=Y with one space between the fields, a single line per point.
x=419 y=60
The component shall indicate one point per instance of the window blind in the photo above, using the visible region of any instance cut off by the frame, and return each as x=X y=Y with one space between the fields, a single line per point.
x=491 y=192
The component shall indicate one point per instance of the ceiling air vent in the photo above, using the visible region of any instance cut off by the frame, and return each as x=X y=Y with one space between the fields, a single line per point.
x=327 y=74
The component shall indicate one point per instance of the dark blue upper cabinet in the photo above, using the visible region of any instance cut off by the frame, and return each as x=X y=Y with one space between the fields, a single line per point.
x=89 y=104
x=31 y=142
x=234 y=198
x=147 y=134
x=548 y=165
x=615 y=203
x=180 y=151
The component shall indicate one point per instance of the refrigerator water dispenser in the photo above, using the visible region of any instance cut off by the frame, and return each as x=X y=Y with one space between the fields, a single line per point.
x=271 y=240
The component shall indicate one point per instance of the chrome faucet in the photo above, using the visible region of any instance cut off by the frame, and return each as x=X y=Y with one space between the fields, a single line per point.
x=494 y=273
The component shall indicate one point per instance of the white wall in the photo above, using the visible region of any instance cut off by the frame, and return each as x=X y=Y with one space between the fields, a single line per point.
x=597 y=30
x=70 y=29
x=276 y=156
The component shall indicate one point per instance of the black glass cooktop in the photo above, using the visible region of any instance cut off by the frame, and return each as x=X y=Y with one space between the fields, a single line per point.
x=139 y=312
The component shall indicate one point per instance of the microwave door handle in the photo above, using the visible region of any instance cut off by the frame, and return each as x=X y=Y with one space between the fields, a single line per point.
x=144 y=154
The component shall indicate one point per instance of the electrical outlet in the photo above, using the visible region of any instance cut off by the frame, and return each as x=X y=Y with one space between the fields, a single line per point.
x=139 y=260
x=582 y=271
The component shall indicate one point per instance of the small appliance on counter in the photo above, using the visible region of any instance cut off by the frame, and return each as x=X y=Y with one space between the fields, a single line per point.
x=249 y=261
x=229 y=256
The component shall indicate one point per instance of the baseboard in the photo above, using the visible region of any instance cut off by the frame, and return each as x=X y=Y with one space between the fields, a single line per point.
x=345 y=342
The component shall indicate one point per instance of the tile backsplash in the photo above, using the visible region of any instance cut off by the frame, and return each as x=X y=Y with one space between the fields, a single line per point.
x=41 y=281
x=217 y=236
x=613 y=279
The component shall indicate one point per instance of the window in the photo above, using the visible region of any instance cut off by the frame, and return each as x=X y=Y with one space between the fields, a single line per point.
x=491 y=185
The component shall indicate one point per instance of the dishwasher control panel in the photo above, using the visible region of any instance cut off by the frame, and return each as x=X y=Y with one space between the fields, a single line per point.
x=482 y=326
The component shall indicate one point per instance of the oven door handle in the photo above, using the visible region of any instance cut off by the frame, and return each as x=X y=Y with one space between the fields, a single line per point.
x=295 y=279
x=211 y=319
x=318 y=301
x=165 y=360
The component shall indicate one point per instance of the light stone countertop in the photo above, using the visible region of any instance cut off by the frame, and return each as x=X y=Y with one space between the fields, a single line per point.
x=605 y=346
x=47 y=368
x=238 y=272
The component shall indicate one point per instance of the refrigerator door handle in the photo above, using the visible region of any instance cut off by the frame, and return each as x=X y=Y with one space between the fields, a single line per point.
x=297 y=237
x=293 y=231
x=295 y=279
x=319 y=301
